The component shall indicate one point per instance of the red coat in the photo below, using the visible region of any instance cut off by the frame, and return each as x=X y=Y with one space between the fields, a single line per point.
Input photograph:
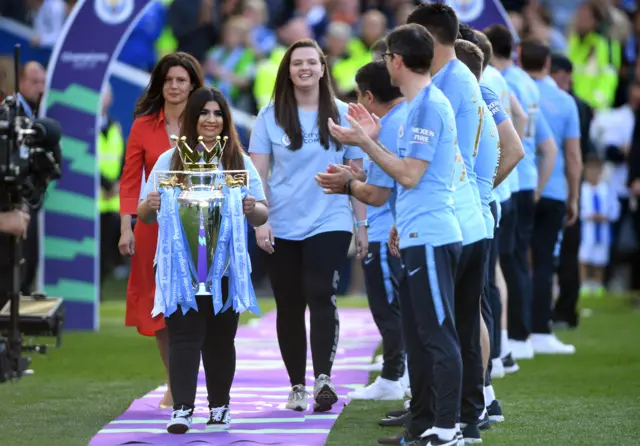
x=147 y=141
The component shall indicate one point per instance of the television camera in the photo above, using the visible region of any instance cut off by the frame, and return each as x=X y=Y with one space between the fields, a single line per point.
x=30 y=157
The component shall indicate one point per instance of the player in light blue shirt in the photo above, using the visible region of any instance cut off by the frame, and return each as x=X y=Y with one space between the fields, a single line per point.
x=462 y=90
x=308 y=232
x=429 y=234
x=558 y=203
x=381 y=268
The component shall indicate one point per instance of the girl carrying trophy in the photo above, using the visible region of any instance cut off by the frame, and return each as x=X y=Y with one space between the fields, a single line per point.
x=202 y=193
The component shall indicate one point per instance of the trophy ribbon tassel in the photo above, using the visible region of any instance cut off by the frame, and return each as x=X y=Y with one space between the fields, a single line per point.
x=220 y=256
x=175 y=272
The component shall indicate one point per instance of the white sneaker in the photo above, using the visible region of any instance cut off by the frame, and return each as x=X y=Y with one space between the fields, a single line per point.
x=380 y=389
x=549 y=344
x=497 y=368
x=521 y=349
x=180 y=421
x=298 y=398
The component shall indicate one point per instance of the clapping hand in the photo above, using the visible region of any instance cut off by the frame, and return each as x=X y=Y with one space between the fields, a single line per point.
x=335 y=180
x=358 y=173
x=364 y=126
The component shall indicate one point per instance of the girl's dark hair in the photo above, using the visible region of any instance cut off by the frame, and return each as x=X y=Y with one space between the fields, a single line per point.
x=152 y=101
x=232 y=158
x=286 y=106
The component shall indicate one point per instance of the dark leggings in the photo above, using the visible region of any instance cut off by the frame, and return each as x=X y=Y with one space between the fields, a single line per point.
x=212 y=335
x=306 y=272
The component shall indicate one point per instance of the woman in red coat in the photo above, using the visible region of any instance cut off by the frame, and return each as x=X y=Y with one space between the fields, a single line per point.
x=157 y=116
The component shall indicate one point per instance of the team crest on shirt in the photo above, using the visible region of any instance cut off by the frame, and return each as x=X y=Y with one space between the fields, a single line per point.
x=401 y=131
x=285 y=140
x=467 y=10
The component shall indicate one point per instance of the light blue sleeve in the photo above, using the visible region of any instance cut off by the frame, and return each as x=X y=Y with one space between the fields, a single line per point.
x=572 y=130
x=162 y=164
x=422 y=132
x=380 y=178
x=493 y=104
x=260 y=141
x=353 y=153
x=255 y=182
x=543 y=131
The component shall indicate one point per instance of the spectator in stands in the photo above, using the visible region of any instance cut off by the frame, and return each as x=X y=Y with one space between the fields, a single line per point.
x=139 y=51
x=343 y=67
x=194 y=24
x=263 y=38
x=230 y=66
x=596 y=58
x=315 y=15
x=48 y=22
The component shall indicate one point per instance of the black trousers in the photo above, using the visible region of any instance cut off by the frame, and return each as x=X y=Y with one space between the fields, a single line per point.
x=569 y=276
x=213 y=336
x=516 y=268
x=306 y=272
x=381 y=269
x=544 y=253
x=469 y=283
x=431 y=340
x=31 y=255
x=490 y=307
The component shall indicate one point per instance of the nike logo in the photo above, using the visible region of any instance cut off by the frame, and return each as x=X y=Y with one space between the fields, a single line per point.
x=414 y=271
x=368 y=260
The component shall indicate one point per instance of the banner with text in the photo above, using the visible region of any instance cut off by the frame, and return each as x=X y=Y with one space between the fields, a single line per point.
x=77 y=73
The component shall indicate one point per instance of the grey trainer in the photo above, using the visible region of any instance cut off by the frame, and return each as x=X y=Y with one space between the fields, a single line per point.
x=298 y=398
x=324 y=394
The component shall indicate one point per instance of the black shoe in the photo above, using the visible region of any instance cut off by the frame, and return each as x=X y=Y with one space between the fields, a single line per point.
x=180 y=421
x=404 y=438
x=397 y=413
x=434 y=440
x=510 y=364
x=471 y=434
x=219 y=416
x=484 y=423
x=460 y=438
x=495 y=412
x=399 y=421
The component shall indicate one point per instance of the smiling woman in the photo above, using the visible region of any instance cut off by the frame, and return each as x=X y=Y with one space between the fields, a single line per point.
x=308 y=232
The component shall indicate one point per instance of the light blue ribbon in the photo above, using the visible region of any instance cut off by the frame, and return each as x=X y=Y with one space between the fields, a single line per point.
x=241 y=293
x=220 y=259
x=175 y=272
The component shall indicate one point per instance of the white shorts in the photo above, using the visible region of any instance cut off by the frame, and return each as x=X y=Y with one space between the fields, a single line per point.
x=596 y=254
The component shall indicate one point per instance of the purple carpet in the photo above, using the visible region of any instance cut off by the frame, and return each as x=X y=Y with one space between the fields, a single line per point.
x=258 y=396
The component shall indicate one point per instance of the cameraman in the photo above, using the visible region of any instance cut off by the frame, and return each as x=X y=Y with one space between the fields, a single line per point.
x=12 y=223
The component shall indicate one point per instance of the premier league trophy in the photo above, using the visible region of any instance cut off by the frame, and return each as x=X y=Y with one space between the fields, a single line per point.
x=202 y=232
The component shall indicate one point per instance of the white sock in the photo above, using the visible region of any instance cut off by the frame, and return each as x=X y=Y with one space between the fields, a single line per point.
x=484 y=412
x=458 y=427
x=489 y=395
x=504 y=343
x=441 y=433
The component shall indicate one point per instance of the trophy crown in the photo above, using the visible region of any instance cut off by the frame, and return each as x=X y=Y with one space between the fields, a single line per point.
x=203 y=158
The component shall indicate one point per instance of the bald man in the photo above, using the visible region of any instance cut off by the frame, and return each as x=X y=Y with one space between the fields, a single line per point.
x=373 y=26
x=32 y=82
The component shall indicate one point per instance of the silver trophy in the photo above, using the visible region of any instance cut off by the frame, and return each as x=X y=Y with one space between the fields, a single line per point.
x=201 y=200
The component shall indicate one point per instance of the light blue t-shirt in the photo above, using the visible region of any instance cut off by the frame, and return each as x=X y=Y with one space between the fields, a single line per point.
x=461 y=88
x=561 y=112
x=298 y=207
x=381 y=219
x=493 y=79
x=164 y=164
x=494 y=105
x=516 y=79
x=536 y=131
x=425 y=214
x=486 y=169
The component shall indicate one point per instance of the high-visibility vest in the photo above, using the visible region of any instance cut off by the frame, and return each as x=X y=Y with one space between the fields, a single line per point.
x=596 y=62
x=110 y=152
